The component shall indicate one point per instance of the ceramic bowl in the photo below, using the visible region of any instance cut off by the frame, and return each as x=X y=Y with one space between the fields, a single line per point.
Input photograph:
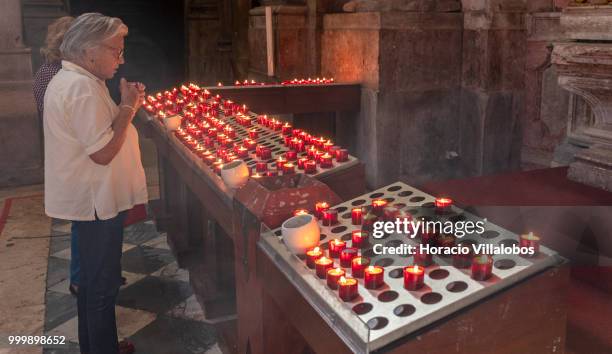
x=301 y=233
x=235 y=174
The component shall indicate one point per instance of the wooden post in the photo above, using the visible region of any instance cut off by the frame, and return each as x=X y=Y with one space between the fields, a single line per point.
x=269 y=41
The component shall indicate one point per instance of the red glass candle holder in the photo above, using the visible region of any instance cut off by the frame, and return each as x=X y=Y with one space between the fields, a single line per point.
x=291 y=155
x=530 y=240
x=330 y=217
x=300 y=212
x=310 y=167
x=286 y=129
x=312 y=256
x=333 y=276
x=378 y=206
x=359 y=238
x=463 y=259
x=271 y=173
x=253 y=134
x=374 y=277
x=301 y=162
x=347 y=288
x=358 y=266
x=261 y=166
x=326 y=161
x=482 y=267
x=443 y=205
x=356 y=216
x=266 y=153
x=322 y=265
x=320 y=207
x=280 y=162
x=414 y=277
x=288 y=168
x=335 y=247
x=242 y=152
x=347 y=255
x=446 y=241
x=341 y=155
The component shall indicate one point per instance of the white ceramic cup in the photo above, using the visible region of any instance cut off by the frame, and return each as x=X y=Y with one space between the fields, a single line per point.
x=301 y=233
x=172 y=122
x=235 y=174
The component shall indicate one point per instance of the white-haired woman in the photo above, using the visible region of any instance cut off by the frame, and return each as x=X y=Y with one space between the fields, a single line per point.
x=93 y=172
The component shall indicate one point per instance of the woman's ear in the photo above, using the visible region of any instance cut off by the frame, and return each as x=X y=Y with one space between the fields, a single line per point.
x=89 y=54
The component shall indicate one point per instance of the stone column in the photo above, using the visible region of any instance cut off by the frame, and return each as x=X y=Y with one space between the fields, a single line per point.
x=493 y=95
x=585 y=69
x=20 y=129
x=409 y=66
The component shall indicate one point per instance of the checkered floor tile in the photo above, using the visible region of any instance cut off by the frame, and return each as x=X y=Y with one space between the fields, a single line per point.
x=156 y=309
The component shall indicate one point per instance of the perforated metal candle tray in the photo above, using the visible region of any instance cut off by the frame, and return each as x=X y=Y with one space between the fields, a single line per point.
x=379 y=317
x=268 y=137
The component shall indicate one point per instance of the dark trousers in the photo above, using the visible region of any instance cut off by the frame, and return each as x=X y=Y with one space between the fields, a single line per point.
x=100 y=244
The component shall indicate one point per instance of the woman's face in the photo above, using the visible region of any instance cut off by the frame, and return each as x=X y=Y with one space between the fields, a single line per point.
x=107 y=57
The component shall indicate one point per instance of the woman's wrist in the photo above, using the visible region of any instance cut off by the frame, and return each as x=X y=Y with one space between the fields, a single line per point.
x=127 y=106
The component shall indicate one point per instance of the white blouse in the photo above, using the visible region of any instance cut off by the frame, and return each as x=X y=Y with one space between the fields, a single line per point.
x=77 y=121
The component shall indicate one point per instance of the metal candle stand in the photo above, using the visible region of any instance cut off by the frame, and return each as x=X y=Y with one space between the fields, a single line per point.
x=378 y=317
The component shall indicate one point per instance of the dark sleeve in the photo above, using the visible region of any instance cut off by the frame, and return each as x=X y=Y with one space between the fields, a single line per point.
x=43 y=76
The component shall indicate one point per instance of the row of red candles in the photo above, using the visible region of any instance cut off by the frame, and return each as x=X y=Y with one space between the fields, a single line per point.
x=196 y=127
x=481 y=265
x=308 y=81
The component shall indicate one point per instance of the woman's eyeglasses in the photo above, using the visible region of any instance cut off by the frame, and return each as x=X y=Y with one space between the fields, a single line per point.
x=117 y=51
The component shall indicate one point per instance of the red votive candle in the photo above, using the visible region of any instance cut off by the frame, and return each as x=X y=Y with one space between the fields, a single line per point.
x=291 y=155
x=330 y=217
x=446 y=241
x=347 y=255
x=288 y=168
x=482 y=267
x=266 y=153
x=301 y=162
x=320 y=207
x=271 y=173
x=253 y=133
x=300 y=212
x=242 y=151
x=443 y=204
x=347 y=288
x=327 y=145
x=286 y=129
x=250 y=144
x=322 y=265
x=359 y=238
x=335 y=247
x=280 y=162
x=356 y=216
x=358 y=266
x=326 y=160
x=414 y=277
x=333 y=276
x=296 y=132
x=378 y=206
x=463 y=260
x=261 y=166
x=310 y=167
x=374 y=277
x=530 y=240
x=312 y=256
x=312 y=152
x=341 y=155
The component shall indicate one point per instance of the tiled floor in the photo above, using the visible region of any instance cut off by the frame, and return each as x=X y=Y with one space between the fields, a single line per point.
x=156 y=309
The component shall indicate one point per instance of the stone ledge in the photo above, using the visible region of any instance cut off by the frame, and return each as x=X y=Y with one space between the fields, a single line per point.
x=588 y=22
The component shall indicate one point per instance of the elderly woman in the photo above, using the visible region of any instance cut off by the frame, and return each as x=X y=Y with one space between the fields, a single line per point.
x=93 y=172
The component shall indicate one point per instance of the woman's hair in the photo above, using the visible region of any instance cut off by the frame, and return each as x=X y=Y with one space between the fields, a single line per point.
x=55 y=35
x=88 y=31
